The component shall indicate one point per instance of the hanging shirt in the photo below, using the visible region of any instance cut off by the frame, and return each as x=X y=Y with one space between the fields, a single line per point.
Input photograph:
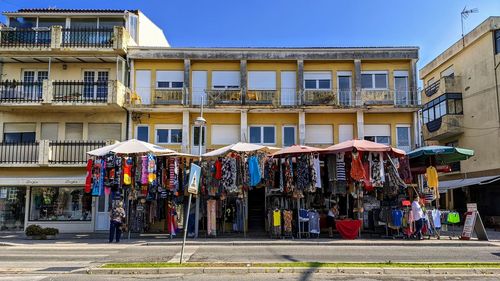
x=432 y=177
x=416 y=210
x=276 y=218
x=317 y=169
x=436 y=217
x=340 y=167
x=254 y=170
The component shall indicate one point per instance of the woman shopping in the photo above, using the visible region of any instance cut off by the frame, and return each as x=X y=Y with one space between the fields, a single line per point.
x=117 y=218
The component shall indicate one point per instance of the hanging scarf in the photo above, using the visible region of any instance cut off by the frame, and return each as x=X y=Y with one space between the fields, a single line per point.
x=127 y=171
x=151 y=169
x=88 y=178
x=98 y=177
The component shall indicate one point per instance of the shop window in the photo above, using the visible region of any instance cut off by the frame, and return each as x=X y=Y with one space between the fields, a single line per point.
x=262 y=134
x=60 y=204
x=12 y=200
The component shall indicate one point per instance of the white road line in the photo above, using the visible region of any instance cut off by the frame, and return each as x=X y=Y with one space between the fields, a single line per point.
x=188 y=252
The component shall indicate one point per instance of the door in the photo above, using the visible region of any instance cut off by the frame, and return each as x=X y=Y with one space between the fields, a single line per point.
x=102 y=218
x=198 y=91
x=195 y=133
x=344 y=89
x=143 y=85
x=95 y=85
x=401 y=87
x=288 y=88
x=33 y=80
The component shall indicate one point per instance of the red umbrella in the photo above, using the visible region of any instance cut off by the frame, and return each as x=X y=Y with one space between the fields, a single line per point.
x=296 y=149
x=361 y=145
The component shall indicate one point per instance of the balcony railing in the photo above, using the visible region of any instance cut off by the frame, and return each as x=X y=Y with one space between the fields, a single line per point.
x=21 y=92
x=229 y=96
x=320 y=97
x=71 y=152
x=80 y=91
x=262 y=97
x=87 y=38
x=19 y=38
x=168 y=96
x=19 y=152
x=432 y=88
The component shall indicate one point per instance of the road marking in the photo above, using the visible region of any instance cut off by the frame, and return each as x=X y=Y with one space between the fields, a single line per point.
x=188 y=252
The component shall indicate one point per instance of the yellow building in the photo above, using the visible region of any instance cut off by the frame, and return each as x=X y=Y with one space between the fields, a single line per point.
x=462 y=108
x=273 y=96
x=63 y=83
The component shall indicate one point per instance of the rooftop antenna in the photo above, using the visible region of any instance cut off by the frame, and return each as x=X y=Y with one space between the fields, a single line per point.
x=464 y=15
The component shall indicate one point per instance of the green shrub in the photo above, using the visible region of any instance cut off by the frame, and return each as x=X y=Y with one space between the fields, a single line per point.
x=50 y=231
x=34 y=230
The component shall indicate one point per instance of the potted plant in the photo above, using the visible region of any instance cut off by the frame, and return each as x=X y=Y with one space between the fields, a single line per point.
x=36 y=232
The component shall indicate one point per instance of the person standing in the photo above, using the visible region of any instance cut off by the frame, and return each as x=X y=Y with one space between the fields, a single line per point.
x=332 y=214
x=418 y=217
x=117 y=218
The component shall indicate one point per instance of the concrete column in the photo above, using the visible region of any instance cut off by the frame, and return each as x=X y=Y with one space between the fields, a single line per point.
x=185 y=131
x=56 y=37
x=360 y=120
x=416 y=130
x=300 y=81
x=302 y=127
x=413 y=95
x=187 y=74
x=243 y=80
x=357 y=83
x=244 y=126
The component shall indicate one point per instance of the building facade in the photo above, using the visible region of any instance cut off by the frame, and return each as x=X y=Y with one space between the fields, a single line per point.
x=63 y=84
x=273 y=96
x=461 y=107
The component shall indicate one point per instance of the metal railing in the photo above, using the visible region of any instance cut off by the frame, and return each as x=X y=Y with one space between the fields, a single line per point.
x=263 y=97
x=19 y=152
x=25 y=38
x=320 y=97
x=226 y=96
x=71 y=152
x=21 y=92
x=87 y=37
x=168 y=96
x=432 y=88
x=80 y=91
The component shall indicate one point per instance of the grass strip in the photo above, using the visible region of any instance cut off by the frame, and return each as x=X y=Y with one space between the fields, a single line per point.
x=305 y=264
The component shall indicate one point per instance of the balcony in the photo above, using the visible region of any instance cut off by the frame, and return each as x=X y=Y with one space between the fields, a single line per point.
x=62 y=92
x=261 y=97
x=444 y=127
x=59 y=38
x=168 y=96
x=47 y=153
x=449 y=84
x=224 y=97
x=377 y=97
x=320 y=97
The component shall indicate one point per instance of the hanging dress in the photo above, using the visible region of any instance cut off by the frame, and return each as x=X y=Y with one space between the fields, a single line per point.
x=357 y=169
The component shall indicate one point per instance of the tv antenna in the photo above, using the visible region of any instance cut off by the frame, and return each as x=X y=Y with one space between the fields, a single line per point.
x=464 y=15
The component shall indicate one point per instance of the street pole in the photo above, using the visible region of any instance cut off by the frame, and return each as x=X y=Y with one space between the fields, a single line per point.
x=201 y=122
x=186 y=227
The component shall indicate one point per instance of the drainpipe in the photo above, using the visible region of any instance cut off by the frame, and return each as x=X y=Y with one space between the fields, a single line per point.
x=128 y=125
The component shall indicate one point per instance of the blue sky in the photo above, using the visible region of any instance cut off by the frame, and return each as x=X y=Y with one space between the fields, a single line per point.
x=432 y=25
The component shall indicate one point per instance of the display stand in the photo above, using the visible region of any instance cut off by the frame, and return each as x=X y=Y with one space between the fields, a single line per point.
x=472 y=223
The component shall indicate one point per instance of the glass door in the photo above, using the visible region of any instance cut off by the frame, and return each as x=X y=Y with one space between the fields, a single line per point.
x=195 y=147
x=401 y=87
x=344 y=90
x=102 y=218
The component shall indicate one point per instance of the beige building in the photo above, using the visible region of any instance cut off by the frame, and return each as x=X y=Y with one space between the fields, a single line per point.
x=63 y=77
x=461 y=107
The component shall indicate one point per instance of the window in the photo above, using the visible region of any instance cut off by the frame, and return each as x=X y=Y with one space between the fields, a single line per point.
x=317 y=80
x=74 y=131
x=168 y=134
x=169 y=79
x=225 y=134
x=12 y=199
x=497 y=41
x=95 y=84
x=262 y=134
x=34 y=82
x=449 y=72
x=50 y=131
x=49 y=22
x=379 y=139
x=443 y=105
x=196 y=136
x=111 y=22
x=288 y=136
x=371 y=80
x=262 y=80
x=22 y=22
x=403 y=137
x=401 y=87
x=319 y=134
x=88 y=23
x=344 y=84
x=225 y=79
x=60 y=204
x=378 y=133
x=142 y=133
x=19 y=132
x=112 y=131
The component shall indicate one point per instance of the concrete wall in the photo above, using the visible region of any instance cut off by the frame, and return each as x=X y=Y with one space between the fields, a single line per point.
x=150 y=34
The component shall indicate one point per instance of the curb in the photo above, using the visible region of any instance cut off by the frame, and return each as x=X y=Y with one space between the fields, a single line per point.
x=274 y=270
x=304 y=243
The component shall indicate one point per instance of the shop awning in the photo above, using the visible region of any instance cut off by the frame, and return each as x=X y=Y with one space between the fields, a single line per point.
x=452 y=184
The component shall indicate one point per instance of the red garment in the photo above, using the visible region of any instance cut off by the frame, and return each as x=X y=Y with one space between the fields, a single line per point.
x=127 y=172
x=367 y=183
x=348 y=229
x=88 y=179
x=218 y=170
x=357 y=170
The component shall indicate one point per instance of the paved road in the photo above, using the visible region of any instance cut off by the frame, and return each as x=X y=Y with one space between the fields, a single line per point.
x=68 y=257
x=232 y=277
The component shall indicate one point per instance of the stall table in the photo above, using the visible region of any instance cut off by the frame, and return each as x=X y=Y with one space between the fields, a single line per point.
x=348 y=229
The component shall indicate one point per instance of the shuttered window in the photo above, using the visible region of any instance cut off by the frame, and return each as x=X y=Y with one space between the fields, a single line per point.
x=105 y=131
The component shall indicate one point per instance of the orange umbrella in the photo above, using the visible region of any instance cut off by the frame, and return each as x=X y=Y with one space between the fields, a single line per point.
x=361 y=145
x=296 y=149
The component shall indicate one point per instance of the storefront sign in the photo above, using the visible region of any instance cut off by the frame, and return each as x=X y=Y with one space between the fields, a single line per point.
x=471 y=207
x=194 y=178
x=472 y=223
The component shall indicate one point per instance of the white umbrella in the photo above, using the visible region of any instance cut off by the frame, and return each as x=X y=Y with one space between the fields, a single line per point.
x=131 y=147
x=239 y=147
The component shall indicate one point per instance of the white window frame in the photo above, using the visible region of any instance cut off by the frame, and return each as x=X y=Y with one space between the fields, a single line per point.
x=169 y=81
x=224 y=87
x=262 y=133
x=137 y=131
x=372 y=73
x=408 y=126
x=283 y=134
x=317 y=80
x=168 y=127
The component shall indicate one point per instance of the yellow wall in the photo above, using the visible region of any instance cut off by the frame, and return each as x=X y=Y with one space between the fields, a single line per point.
x=332 y=67
x=74 y=71
x=393 y=119
x=334 y=119
x=152 y=119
